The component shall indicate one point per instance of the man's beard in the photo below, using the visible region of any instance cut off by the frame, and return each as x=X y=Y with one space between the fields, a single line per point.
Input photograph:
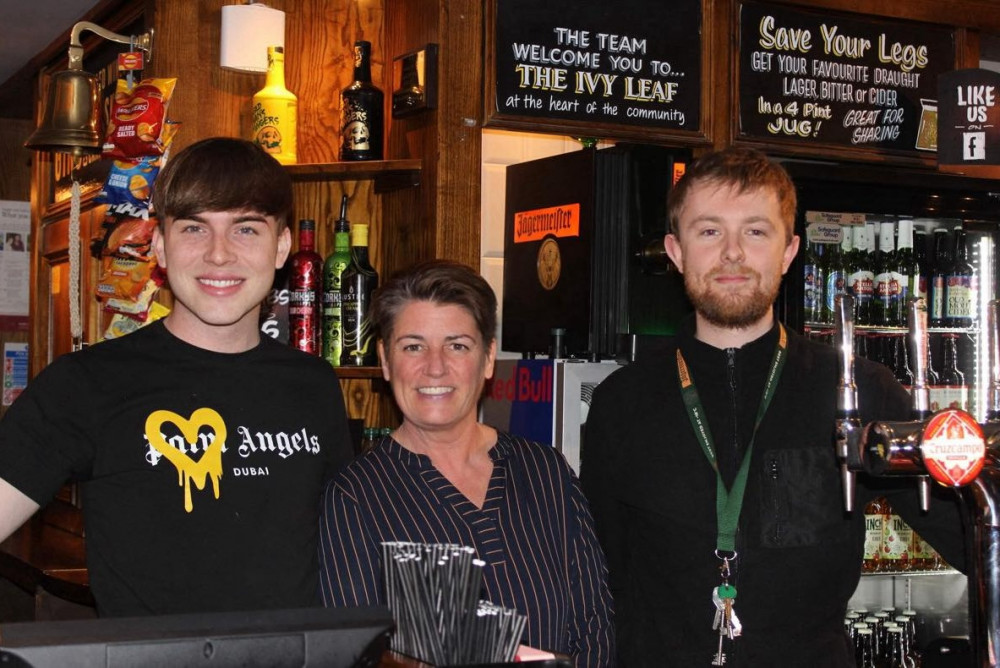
x=733 y=310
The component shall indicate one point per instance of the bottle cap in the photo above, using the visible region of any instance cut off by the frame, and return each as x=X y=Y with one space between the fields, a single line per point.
x=307 y=224
x=359 y=234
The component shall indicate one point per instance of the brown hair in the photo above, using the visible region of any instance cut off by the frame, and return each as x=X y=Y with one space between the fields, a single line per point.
x=744 y=169
x=223 y=174
x=441 y=282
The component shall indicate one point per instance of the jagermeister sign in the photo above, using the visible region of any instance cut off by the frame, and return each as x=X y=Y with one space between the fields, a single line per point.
x=624 y=63
x=812 y=77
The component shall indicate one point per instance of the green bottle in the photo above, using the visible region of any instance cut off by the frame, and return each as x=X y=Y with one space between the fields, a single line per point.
x=357 y=284
x=333 y=269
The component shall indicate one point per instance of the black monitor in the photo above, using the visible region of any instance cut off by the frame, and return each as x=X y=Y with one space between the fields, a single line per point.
x=328 y=637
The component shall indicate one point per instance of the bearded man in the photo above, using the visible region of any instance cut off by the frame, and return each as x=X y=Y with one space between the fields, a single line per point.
x=710 y=465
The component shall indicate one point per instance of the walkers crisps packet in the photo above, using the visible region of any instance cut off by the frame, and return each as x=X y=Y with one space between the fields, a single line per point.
x=138 y=119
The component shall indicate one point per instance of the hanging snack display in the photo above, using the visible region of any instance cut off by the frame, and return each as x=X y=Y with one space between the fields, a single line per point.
x=138 y=138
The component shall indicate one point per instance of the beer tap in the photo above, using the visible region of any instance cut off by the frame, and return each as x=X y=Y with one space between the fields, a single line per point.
x=953 y=449
x=848 y=428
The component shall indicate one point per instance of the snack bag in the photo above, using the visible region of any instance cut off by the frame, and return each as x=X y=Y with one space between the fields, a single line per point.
x=138 y=119
x=129 y=187
x=127 y=260
x=121 y=325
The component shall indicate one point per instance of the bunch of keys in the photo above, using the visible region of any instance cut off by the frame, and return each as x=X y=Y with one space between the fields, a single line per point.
x=726 y=622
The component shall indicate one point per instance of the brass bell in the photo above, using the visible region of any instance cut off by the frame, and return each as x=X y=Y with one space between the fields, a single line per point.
x=71 y=121
x=72 y=117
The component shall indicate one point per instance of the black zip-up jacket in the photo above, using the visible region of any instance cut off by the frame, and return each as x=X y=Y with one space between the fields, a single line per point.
x=652 y=493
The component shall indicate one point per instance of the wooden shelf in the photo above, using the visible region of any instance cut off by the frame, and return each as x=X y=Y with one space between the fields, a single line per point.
x=388 y=175
x=353 y=372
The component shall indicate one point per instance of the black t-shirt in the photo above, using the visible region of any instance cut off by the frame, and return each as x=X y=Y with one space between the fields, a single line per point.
x=202 y=471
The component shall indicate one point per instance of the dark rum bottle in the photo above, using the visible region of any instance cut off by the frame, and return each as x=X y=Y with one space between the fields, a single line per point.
x=333 y=269
x=357 y=283
x=305 y=280
x=361 y=111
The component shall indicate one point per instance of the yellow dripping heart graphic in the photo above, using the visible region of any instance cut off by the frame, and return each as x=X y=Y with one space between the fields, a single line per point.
x=188 y=470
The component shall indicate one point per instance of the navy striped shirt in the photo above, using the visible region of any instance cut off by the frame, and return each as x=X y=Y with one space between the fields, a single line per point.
x=534 y=532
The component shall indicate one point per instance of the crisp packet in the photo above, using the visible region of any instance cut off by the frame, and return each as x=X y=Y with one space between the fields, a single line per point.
x=121 y=325
x=128 y=189
x=138 y=119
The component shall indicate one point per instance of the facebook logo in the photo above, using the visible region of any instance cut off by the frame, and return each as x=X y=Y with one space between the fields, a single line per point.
x=973 y=145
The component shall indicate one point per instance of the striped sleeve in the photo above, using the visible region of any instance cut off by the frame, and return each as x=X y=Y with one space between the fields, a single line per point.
x=349 y=557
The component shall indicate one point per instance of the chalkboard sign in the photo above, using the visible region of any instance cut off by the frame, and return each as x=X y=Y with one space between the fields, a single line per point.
x=623 y=63
x=817 y=78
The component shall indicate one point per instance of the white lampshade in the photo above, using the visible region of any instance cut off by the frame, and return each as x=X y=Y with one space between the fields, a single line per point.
x=247 y=31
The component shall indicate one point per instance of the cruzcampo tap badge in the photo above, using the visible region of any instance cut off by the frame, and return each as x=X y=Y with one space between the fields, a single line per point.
x=275 y=111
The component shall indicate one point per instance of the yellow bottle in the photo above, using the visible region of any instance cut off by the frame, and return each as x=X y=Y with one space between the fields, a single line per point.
x=275 y=109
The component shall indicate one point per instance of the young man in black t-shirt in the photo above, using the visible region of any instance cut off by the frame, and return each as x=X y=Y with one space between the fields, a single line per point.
x=202 y=445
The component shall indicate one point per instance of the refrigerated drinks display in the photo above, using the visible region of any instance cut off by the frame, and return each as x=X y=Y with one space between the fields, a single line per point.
x=935 y=237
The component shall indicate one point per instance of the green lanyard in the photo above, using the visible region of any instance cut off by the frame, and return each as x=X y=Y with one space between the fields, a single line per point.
x=729 y=502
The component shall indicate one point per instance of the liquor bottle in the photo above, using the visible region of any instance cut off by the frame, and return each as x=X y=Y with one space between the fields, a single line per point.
x=361 y=111
x=960 y=290
x=939 y=277
x=836 y=273
x=861 y=280
x=873 y=536
x=305 y=279
x=952 y=392
x=907 y=267
x=274 y=311
x=885 y=306
x=333 y=268
x=357 y=283
x=275 y=111
x=813 y=280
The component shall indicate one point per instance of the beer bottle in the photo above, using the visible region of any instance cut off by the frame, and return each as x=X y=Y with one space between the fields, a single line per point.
x=901 y=361
x=860 y=280
x=836 y=273
x=864 y=649
x=953 y=391
x=873 y=536
x=885 y=307
x=922 y=290
x=907 y=267
x=960 y=290
x=933 y=379
x=896 y=541
x=813 y=279
x=939 y=277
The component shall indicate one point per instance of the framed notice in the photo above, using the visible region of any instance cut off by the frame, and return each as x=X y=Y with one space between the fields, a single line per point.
x=595 y=68
x=817 y=78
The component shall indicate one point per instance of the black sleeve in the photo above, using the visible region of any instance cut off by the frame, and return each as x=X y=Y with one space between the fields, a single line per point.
x=44 y=436
x=598 y=466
